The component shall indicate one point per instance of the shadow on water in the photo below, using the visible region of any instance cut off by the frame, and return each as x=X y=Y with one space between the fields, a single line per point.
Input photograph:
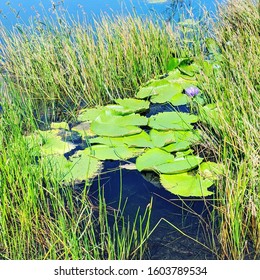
x=181 y=230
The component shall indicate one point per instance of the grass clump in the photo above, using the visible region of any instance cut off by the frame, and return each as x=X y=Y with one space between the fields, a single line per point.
x=235 y=90
x=67 y=64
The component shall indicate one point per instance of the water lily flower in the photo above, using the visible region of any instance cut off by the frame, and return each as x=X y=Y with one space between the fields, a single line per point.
x=192 y=91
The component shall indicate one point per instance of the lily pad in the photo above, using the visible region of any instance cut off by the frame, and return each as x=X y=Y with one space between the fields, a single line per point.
x=104 y=152
x=164 y=94
x=186 y=185
x=153 y=88
x=79 y=168
x=178 y=146
x=107 y=124
x=141 y=140
x=210 y=170
x=179 y=99
x=51 y=143
x=179 y=165
x=172 y=120
x=129 y=105
x=152 y=158
x=90 y=114
x=162 y=138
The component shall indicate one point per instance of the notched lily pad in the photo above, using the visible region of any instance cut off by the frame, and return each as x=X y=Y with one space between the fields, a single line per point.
x=186 y=185
x=90 y=114
x=60 y=125
x=166 y=93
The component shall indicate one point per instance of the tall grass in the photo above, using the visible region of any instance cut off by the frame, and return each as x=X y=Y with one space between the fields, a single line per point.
x=68 y=64
x=40 y=218
x=236 y=91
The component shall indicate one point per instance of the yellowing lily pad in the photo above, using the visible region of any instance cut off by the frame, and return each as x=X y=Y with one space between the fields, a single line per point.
x=186 y=185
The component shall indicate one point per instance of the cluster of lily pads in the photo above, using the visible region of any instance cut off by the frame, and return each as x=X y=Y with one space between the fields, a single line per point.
x=161 y=143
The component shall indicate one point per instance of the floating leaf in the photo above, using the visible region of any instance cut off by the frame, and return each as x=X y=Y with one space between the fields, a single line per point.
x=178 y=146
x=210 y=170
x=114 y=130
x=172 y=120
x=150 y=159
x=153 y=88
x=162 y=138
x=179 y=99
x=90 y=114
x=179 y=165
x=104 y=152
x=51 y=143
x=79 y=168
x=129 y=105
x=175 y=62
x=186 y=185
x=59 y=125
x=164 y=94
x=141 y=140
x=190 y=70
x=107 y=124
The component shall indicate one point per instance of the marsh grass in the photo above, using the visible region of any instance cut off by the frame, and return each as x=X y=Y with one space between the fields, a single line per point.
x=61 y=64
x=235 y=88
x=40 y=218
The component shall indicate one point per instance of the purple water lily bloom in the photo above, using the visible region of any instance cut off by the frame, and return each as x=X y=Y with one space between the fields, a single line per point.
x=192 y=91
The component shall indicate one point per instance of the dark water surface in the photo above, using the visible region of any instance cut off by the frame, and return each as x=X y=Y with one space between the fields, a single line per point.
x=187 y=215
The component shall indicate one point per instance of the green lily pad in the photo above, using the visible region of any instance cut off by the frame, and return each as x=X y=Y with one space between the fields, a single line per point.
x=211 y=170
x=104 y=152
x=176 y=147
x=162 y=138
x=190 y=70
x=186 y=185
x=164 y=94
x=141 y=140
x=152 y=158
x=175 y=62
x=90 y=114
x=153 y=88
x=129 y=105
x=192 y=136
x=51 y=143
x=172 y=120
x=79 y=168
x=107 y=124
x=179 y=99
x=179 y=165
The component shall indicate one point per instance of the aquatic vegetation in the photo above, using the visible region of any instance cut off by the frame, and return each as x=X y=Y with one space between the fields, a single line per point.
x=120 y=131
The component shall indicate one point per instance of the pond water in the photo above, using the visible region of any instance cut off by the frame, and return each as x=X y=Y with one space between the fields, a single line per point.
x=20 y=11
x=190 y=216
